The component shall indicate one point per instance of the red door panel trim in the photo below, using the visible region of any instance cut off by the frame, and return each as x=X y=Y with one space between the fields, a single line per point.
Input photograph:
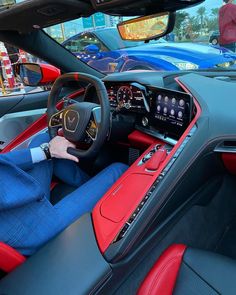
x=162 y=277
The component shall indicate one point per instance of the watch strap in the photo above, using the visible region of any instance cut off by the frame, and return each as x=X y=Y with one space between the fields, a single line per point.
x=46 y=150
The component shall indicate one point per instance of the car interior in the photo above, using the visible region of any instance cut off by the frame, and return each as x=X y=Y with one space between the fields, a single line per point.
x=167 y=226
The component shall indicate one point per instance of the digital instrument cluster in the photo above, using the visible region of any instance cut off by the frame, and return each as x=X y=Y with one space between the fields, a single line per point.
x=126 y=96
x=158 y=109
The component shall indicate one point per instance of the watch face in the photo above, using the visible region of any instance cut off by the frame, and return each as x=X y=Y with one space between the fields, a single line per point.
x=44 y=145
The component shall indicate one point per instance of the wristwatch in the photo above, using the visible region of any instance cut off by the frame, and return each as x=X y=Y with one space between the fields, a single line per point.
x=46 y=150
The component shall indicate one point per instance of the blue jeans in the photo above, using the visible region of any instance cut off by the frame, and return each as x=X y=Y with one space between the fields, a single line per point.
x=89 y=190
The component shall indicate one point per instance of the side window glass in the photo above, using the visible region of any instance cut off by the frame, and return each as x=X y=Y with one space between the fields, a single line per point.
x=79 y=43
x=74 y=45
x=9 y=83
x=95 y=41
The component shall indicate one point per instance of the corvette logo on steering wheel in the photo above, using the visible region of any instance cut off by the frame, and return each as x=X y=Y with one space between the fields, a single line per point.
x=71 y=120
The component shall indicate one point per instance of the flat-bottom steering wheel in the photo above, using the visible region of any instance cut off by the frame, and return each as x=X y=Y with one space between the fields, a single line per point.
x=80 y=119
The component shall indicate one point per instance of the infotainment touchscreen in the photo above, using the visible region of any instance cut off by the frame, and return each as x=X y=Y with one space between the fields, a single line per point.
x=170 y=110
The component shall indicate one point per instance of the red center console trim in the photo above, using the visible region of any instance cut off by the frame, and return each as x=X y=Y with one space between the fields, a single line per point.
x=9 y=258
x=162 y=277
x=107 y=227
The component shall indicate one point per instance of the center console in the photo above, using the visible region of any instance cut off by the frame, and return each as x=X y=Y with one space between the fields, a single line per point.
x=117 y=213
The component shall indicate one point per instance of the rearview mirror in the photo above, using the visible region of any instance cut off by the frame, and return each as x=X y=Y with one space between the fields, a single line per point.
x=148 y=27
x=33 y=74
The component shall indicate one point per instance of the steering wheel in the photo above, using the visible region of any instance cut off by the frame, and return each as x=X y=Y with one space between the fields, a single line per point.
x=82 y=119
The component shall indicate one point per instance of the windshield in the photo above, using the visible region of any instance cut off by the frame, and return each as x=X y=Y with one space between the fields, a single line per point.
x=7 y=3
x=203 y=38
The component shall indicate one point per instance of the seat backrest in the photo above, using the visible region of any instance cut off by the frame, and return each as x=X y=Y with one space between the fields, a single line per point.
x=162 y=277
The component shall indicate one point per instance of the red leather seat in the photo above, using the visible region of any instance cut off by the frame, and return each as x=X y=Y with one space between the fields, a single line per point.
x=9 y=258
x=186 y=271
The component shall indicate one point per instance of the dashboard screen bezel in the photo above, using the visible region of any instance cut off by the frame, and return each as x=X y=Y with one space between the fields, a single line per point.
x=166 y=127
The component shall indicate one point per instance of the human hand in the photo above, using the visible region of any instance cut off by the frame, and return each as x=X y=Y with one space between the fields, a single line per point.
x=58 y=148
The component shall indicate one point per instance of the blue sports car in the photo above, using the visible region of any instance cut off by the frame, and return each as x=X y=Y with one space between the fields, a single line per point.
x=104 y=50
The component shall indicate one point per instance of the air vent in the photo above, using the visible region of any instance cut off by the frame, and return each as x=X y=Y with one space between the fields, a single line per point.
x=51 y=10
x=230 y=143
x=223 y=78
x=228 y=146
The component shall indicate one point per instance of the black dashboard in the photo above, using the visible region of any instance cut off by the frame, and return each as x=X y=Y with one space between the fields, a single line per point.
x=157 y=110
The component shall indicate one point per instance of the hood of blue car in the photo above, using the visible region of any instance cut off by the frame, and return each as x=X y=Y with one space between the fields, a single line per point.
x=195 y=53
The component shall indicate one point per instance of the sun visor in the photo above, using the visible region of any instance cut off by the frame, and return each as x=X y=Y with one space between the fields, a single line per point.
x=141 y=7
x=35 y=14
x=29 y=15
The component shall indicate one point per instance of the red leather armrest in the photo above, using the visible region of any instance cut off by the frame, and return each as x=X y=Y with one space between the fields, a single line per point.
x=9 y=258
x=162 y=277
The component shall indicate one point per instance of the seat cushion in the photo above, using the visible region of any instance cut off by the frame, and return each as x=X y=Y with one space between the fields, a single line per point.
x=9 y=258
x=187 y=271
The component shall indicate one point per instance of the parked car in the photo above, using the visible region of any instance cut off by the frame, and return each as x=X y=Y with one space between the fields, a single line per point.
x=104 y=50
x=214 y=38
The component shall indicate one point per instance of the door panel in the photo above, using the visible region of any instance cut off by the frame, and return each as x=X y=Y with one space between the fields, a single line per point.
x=18 y=112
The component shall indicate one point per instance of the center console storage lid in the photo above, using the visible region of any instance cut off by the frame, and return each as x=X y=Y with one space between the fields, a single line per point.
x=123 y=197
x=70 y=264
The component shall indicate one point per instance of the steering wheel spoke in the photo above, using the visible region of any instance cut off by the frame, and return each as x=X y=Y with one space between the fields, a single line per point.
x=91 y=130
x=96 y=115
x=94 y=123
x=56 y=120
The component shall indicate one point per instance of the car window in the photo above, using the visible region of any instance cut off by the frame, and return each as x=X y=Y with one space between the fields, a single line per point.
x=74 y=45
x=203 y=37
x=10 y=84
x=79 y=42
x=20 y=105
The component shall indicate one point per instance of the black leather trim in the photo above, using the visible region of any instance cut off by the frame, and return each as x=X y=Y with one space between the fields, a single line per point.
x=206 y=273
x=69 y=264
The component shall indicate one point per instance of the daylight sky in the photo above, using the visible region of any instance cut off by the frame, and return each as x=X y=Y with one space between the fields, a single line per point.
x=209 y=4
